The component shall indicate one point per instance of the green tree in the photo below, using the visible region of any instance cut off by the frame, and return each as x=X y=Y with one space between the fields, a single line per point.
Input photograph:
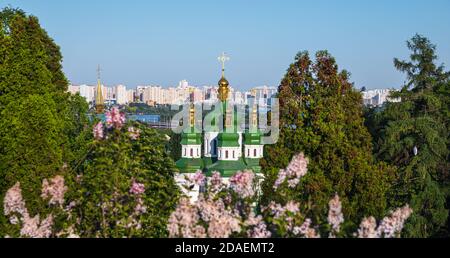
x=106 y=204
x=35 y=106
x=321 y=115
x=413 y=135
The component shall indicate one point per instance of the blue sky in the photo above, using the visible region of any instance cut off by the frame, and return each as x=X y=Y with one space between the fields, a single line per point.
x=163 y=42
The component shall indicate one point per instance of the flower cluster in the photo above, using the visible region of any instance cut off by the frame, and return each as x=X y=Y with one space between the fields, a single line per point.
x=215 y=183
x=242 y=183
x=55 y=190
x=392 y=225
x=335 y=216
x=15 y=209
x=225 y=210
x=257 y=227
x=389 y=227
x=137 y=188
x=134 y=132
x=296 y=169
x=98 y=131
x=186 y=220
x=197 y=178
x=115 y=118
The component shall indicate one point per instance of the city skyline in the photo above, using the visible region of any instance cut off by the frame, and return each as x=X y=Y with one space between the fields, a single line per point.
x=161 y=43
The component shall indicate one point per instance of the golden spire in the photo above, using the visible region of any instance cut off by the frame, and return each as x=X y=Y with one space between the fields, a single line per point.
x=99 y=103
x=255 y=116
x=192 y=115
x=223 y=83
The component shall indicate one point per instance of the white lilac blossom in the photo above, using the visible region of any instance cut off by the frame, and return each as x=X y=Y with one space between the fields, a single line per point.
x=335 y=216
x=115 y=118
x=367 y=228
x=134 y=132
x=98 y=131
x=54 y=189
x=296 y=169
x=242 y=183
x=392 y=225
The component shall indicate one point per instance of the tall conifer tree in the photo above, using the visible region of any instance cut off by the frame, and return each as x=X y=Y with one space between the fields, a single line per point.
x=413 y=135
x=321 y=115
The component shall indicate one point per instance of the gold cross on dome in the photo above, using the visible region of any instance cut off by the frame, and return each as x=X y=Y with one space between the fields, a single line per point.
x=223 y=58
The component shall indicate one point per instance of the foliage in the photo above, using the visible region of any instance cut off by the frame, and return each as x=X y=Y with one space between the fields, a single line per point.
x=413 y=135
x=321 y=115
x=232 y=209
x=126 y=187
x=41 y=125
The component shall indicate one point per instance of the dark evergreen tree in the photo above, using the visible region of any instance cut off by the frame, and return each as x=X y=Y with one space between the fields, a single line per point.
x=413 y=135
x=41 y=124
x=321 y=115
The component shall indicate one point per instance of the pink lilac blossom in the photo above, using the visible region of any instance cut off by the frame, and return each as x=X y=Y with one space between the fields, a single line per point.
x=292 y=207
x=335 y=216
x=55 y=190
x=34 y=228
x=258 y=229
x=13 y=201
x=305 y=230
x=183 y=221
x=392 y=226
x=140 y=207
x=98 y=131
x=215 y=183
x=134 y=132
x=242 y=183
x=198 y=178
x=221 y=222
x=31 y=227
x=296 y=169
x=137 y=188
x=115 y=118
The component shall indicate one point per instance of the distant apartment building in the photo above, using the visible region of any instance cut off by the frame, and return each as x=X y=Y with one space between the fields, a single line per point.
x=183 y=93
x=121 y=94
x=377 y=97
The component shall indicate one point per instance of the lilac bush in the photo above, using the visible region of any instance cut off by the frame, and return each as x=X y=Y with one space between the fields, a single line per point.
x=30 y=226
x=232 y=209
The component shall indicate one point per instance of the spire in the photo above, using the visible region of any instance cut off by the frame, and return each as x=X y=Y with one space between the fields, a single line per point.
x=255 y=116
x=192 y=115
x=223 y=83
x=99 y=103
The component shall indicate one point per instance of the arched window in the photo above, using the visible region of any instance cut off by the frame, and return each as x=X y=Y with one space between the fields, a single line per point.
x=254 y=153
x=233 y=154
x=226 y=154
x=184 y=151
x=197 y=152
x=248 y=152
x=192 y=152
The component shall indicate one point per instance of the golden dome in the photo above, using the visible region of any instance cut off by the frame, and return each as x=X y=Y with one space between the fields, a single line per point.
x=223 y=89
